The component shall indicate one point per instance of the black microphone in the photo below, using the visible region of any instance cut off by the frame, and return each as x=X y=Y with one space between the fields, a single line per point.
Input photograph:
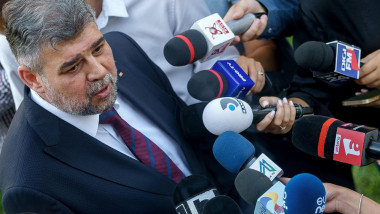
x=251 y=184
x=192 y=193
x=224 y=79
x=221 y=204
x=213 y=36
x=331 y=62
x=333 y=139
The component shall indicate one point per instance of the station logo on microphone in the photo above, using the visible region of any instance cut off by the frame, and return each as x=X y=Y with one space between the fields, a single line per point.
x=348 y=146
x=347 y=60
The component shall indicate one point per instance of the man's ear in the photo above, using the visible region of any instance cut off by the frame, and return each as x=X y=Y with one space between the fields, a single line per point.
x=30 y=78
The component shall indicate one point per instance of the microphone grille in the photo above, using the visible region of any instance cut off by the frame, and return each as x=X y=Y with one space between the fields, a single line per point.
x=311 y=131
x=251 y=184
x=185 y=48
x=207 y=85
x=314 y=55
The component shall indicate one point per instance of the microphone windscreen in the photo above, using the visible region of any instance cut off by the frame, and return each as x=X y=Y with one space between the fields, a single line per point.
x=314 y=132
x=221 y=204
x=232 y=150
x=252 y=184
x=185 y=48
x=207 y=85
x=227 y=114
x=313 y=55
x=191 y=186
x=304 y=193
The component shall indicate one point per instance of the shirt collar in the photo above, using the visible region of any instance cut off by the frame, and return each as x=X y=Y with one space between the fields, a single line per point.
x=116 y=8
x=88 y=124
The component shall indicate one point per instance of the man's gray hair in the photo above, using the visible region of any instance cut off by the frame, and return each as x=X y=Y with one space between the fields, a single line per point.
x=32 y=25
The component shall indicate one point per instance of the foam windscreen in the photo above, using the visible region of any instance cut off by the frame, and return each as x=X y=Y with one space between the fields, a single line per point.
x=207 y=85
x=185 y=48
x=313 y=131
x=251 y=184
x=317 y=56
x=232 y=150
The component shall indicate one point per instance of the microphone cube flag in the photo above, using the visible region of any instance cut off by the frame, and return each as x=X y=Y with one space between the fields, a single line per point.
x=227 y=114
x=347 y=62
x=217 y=34
x=239 y=83
x=271 y=201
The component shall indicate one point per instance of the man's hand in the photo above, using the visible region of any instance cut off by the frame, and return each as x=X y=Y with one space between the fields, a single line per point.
x=281 y=121
x=243 y=7
x=254 y=70
x=370 y=71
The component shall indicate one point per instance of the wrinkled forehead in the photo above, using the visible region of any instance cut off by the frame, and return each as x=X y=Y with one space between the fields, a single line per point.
x=64 y=51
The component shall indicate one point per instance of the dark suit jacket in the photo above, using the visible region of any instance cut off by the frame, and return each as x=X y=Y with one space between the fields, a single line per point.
x=49 y=166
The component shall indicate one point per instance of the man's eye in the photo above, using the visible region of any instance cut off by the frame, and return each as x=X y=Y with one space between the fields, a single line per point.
x=98 y=50
x=73 y=69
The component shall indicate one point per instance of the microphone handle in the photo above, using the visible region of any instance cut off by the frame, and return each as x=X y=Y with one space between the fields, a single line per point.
x=373 y=150
x=241 y=25
x=259 y=113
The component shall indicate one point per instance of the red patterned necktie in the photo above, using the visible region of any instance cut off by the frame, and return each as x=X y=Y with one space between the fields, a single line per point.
x=144 y=149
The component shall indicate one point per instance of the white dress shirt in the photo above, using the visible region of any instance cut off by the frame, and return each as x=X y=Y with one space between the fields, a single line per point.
x=107 y=135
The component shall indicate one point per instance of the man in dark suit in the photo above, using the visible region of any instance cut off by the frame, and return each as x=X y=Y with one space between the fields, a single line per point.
x=57 y=158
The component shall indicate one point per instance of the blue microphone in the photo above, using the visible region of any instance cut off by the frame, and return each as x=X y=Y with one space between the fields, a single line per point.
x=224 y=79
x=304 y=193
x=232 y=150
x=235 y=153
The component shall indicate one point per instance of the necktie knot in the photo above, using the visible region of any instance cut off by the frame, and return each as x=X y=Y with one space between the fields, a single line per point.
x=107 y=116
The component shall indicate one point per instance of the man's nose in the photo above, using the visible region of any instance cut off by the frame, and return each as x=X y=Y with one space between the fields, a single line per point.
x=96 y=70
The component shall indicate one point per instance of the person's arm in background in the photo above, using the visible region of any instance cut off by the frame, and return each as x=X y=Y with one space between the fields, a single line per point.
x=346 y=201
x=280 y=22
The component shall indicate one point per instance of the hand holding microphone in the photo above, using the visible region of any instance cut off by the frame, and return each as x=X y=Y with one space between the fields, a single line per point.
x=232 y=114
x=242 y=7
x=280 y=121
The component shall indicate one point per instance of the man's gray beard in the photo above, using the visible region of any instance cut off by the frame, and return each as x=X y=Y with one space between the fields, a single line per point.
x=73 y=106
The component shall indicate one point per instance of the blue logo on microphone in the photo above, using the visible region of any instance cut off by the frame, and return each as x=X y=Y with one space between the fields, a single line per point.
x=229 y=103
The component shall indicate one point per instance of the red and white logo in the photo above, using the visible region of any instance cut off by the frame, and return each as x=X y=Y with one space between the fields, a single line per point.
x=349 y=146
x=217 y=28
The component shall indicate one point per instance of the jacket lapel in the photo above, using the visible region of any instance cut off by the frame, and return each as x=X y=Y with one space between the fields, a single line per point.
x=83 y=152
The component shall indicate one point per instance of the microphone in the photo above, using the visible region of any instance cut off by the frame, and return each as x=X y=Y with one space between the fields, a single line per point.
x=251 y=184
x=224 y=79
x=333 y=139
x=304 y=193
x=221 y=204
x=232 y=114
x=235 y=153
x=206 y=39
x=192 y=193
x=331 y=62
